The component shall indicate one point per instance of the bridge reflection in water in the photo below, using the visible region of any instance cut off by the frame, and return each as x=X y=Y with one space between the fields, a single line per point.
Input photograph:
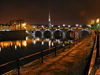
x=14 y=50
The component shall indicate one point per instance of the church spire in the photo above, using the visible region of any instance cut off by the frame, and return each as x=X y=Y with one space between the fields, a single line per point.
x=49 y=19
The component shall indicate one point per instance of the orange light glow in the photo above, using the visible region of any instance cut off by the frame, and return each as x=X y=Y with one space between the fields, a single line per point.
x=92 y=21
x=18 y=43
x=98 y=20
x=24 y=43
x=24 y=24
x=5 y=44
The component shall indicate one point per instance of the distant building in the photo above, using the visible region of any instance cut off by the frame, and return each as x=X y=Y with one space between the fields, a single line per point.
x=17 y=24
x=4 y=27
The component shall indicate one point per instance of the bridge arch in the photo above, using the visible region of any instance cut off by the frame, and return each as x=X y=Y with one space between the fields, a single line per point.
x=47 y=33
x=72 y=34
x=58 y=34
x=38 y=34
x=85 y=33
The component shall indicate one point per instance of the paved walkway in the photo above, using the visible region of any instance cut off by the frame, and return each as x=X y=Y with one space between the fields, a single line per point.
x=98 y=70
x=69 y=62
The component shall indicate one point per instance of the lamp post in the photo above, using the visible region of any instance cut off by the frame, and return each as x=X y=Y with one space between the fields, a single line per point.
x=58 y=26
x=80 y=26
x=23 y=25
x=52 y=26
x=77 y=25
x=64 y=26
x=98 y=21
x=69 y=26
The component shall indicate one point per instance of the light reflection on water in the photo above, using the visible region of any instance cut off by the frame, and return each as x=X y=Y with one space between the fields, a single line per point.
x=10 y=50
x=34 y=41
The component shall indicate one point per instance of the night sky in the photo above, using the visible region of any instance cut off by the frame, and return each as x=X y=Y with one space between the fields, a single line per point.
x=62 y=11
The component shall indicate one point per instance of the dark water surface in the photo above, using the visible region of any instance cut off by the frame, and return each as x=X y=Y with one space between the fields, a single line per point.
x=11 y=50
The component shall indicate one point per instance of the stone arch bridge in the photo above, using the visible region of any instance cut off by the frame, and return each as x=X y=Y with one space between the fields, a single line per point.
x=70 y=34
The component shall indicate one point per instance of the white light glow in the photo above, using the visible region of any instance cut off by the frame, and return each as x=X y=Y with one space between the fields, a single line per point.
x=64 y=25
x=59 y=26
x=34 y=41
x=52 y=25
x=77 y=25
x=80 y=26
x=69 y=25
x=42 y=42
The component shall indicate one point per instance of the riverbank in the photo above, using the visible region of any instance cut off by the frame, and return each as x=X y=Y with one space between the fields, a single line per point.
x=69 y=62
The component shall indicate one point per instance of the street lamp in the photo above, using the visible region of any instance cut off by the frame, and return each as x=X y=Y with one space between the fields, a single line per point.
x=23 y=25
x=69 y=26
x=98 y=20
x=89 y=26
x=80 y=26
x=59 y=26
x=63 y=25
x=42 y=26
x=77 y=25
x=52 y=25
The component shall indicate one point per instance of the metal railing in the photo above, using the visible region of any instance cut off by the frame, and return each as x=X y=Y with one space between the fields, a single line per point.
x=24 y=60
x=93 y=57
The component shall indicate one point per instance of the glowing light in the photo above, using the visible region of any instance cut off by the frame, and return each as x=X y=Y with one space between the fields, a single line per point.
x=18 y=43
x=52 y=25
x=59 y=41
x=47 y=39
x=49 y=44
x=37 y=39
x=42 y=26
x=59 y=26
x=26 y=38
x=64 y=25
x=69 y=25
x=57 y=30
x=15 y=47
x=77 y=25
x=5 y=44
x=34 y=41
x=47 y=30
x=24 y=24
x=52 y=44
x=34 y=27
x=42 y=42
x=63 y=44
x=0 y=49
x=92 y=22
x=89 y=25
x=26 y=31
x=98 y=20
x=80 y=26
x=24 y=43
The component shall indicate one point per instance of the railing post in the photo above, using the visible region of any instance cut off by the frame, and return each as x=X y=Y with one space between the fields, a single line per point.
x=18 y=67
x=98 y=52
x=55 y=51
x=41 y=56
x=97 y=45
